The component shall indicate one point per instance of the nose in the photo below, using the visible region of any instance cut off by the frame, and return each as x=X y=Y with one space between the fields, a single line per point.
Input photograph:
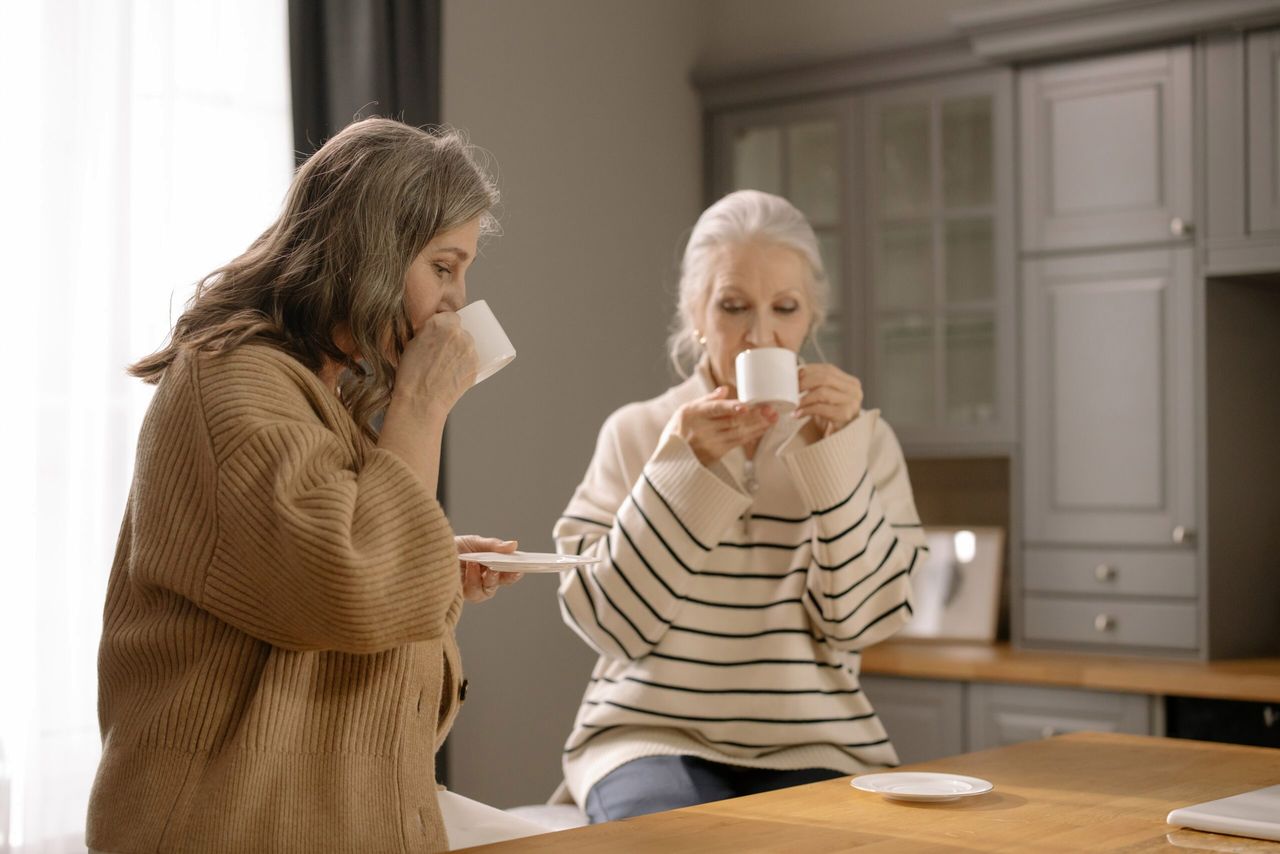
x=761 y=333
x=456 y=297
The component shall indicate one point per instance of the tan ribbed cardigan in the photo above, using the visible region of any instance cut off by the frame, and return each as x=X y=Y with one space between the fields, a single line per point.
x=277 y=666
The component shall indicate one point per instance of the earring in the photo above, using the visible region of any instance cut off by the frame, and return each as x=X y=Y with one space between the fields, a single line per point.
x=700 y=338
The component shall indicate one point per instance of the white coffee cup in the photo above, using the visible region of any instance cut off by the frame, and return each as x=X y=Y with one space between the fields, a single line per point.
x=493 y=348
x=768 y=375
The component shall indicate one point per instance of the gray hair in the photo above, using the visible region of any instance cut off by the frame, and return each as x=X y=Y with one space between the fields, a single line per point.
x=742 y=217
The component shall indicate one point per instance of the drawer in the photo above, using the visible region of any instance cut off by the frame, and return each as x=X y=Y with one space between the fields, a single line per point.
x=1008 y=714
x=1110 y=572
x=1109 y=622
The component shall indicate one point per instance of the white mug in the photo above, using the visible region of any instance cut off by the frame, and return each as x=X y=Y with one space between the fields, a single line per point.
x=768 y=375
x=493 y=348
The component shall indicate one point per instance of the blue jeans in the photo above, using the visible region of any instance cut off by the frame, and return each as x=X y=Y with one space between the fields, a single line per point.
x=657 y=783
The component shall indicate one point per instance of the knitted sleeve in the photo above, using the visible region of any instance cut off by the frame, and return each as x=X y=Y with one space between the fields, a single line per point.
x=867 y=533
x=316 y=549
x=654 y=530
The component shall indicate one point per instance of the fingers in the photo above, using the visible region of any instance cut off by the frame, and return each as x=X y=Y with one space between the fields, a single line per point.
x=828 y=394
x=476 y=543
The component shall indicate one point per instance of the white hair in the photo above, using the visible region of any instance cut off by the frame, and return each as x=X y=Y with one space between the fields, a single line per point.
x=742 y=217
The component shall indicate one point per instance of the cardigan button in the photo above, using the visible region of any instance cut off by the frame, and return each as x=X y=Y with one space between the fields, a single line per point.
x=462 y=691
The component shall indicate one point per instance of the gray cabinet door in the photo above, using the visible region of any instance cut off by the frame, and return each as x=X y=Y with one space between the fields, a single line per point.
x=1107 y=397
x=1106 y=150
x=1264 y=141
x=1008 y=714
x=924 y=718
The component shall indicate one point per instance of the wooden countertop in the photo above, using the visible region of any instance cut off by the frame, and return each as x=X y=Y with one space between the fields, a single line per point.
x=1073 y=793
x=1245 y=679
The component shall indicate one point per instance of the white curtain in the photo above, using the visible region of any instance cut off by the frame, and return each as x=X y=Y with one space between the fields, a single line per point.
x=142 y=144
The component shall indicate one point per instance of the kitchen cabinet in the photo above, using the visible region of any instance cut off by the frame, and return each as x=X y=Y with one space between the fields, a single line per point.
x=1109 y=488
x=933 y=718
x=938 y=241
x=910 y=191
x=1108 y=409
x=1007 y=714
x=1241 y=84
x=1263 y=54
x=924 y=717
x=1106 y=151
x=1123 y=199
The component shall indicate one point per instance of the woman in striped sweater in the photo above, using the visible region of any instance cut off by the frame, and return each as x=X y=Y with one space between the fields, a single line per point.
x=747 y=556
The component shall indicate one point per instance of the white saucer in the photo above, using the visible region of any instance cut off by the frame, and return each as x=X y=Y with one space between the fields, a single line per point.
x=528 y=561
x=921 y=785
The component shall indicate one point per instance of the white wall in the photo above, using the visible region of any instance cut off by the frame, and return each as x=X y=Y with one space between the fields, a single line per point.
x=587 y=109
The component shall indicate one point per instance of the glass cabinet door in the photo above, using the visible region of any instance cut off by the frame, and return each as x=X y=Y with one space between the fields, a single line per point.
x=939 y=262
x=801 y=156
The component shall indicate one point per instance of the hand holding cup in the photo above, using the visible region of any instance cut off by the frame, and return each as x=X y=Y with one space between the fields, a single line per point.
x=716 y=424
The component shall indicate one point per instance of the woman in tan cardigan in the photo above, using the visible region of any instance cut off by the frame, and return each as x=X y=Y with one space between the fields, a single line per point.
x=277 y=666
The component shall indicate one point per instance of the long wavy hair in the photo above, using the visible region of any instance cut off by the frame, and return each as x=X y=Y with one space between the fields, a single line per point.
x=356 y=215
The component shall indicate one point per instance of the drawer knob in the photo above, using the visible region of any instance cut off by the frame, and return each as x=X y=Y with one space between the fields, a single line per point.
x=1270 y=717
x=1048 y=731
x=1104 y=622
x=1180 y=227
x=1104 y=572
x=1183 y=535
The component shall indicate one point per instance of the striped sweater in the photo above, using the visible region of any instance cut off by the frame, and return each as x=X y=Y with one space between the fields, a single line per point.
x=731 y=600
x=277 y=664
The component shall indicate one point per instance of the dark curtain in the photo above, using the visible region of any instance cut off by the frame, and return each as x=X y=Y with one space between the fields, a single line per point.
x=357 y=58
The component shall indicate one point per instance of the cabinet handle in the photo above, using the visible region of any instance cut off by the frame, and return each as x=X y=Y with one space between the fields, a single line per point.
x=1104 y=622
x=1270 y=716
x=1104 y=572
x=1183 y=535
x=1180 y=227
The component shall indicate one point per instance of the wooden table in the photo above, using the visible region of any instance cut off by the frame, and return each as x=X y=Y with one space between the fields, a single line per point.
x=1073 y=793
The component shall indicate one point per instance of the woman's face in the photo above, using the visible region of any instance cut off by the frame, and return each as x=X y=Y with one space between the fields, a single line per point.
x=436 y=280
x=759 y=296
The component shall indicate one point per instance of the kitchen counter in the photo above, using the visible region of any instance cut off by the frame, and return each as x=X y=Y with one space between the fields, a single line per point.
x=1256 y=679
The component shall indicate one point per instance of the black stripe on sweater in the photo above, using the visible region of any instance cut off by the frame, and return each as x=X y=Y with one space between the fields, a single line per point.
x=789 y=520
x=769 y=749
x=598 y=731
x=870 y=625
x=672 y=511
x=622 y=613
x=842 y=564
x=848 y=530
x=643 y=601
x=809 y=662
x=782 y=546
x=729 y=720
x=595 y=522
x=645 y=561
x=893 y=545
x=753 y=691
x=591 y=603
x=709 y=633
x=844 y=500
